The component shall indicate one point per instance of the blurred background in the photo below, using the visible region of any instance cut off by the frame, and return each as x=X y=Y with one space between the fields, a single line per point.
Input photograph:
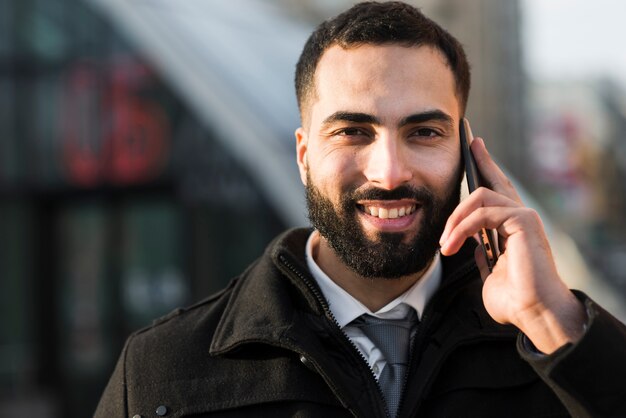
x=147 y=156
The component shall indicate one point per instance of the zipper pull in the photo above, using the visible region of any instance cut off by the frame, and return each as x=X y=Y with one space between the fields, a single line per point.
x=304 y=360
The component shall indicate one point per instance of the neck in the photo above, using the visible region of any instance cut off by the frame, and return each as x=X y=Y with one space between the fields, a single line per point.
x=374 y=293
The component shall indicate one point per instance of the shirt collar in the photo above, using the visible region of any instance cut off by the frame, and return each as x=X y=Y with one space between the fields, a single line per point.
x=346 y=308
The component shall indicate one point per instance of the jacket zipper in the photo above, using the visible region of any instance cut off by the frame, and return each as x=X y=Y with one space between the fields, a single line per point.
x=329 y=314
x=418 y=343
x=413 y=348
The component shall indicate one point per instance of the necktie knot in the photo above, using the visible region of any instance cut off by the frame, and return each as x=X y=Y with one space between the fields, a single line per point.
x=391 y=336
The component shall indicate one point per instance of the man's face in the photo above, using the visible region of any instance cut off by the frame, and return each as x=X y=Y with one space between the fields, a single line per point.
x=380 y=156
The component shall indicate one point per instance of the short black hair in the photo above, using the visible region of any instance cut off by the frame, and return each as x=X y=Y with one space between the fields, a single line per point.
x=378 y=24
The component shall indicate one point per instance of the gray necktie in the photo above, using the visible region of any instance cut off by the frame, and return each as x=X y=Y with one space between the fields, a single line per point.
x=392 y=337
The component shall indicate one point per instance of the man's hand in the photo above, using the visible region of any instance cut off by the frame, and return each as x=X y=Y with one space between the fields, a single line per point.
x=524 y=288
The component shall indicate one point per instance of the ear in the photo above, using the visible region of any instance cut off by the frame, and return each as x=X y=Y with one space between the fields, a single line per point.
x=302 y=143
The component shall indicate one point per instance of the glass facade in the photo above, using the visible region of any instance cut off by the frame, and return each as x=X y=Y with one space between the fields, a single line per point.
x=116 y=205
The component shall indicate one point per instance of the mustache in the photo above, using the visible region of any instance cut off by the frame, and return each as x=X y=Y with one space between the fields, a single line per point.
x=402 y=192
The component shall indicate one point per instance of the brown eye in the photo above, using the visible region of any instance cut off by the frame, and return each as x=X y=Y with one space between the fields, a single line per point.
x=352 y=132
x=426 y=132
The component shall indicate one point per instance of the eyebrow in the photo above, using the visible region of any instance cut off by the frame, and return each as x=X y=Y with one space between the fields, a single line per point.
x=357 y=117
x=427 y=116
x=354 y=117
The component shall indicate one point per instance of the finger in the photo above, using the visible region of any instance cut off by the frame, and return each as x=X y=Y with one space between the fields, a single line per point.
x=481 y=197
x=484 y=217
x=492 y=174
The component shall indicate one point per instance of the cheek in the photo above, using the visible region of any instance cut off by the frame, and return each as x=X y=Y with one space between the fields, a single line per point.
x=333 y=169
x=440 y=170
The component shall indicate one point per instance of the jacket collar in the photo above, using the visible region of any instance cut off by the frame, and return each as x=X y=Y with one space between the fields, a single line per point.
x=268 y=300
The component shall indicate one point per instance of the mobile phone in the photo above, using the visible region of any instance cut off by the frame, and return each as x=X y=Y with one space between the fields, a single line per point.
x=487 y=237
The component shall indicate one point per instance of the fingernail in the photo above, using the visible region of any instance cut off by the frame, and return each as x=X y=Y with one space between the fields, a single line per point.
x=442 y=242
x=443 y=249
x=444 y=237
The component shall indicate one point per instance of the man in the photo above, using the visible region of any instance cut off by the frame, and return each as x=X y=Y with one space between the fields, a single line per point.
x=304 y=331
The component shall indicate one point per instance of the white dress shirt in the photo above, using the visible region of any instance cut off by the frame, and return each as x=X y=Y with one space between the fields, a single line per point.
x=346 y=308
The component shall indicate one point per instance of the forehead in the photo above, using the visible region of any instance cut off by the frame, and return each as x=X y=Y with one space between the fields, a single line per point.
x=383 y=78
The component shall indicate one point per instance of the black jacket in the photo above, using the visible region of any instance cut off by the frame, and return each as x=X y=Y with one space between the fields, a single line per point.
x=268 y=346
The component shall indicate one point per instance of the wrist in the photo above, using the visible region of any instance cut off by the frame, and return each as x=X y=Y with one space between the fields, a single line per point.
x=549 y=328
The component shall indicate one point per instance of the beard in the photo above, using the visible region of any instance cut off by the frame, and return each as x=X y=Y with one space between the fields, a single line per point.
x=390 y=255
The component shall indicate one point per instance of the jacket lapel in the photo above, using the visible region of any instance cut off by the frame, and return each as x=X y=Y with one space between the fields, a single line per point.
x=277 y=302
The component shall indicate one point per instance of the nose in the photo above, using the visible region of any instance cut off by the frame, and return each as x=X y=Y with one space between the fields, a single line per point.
x=386 y=164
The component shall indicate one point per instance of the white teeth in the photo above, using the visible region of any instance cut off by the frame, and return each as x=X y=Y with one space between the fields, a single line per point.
x=385 y=213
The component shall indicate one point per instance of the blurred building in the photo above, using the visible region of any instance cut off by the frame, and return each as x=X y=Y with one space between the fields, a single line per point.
x=609 y=243
x=117 y=203
x=570 y=131
x=579 y=163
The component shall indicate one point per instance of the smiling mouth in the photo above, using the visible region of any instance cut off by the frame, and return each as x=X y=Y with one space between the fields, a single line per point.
x=387 y=213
